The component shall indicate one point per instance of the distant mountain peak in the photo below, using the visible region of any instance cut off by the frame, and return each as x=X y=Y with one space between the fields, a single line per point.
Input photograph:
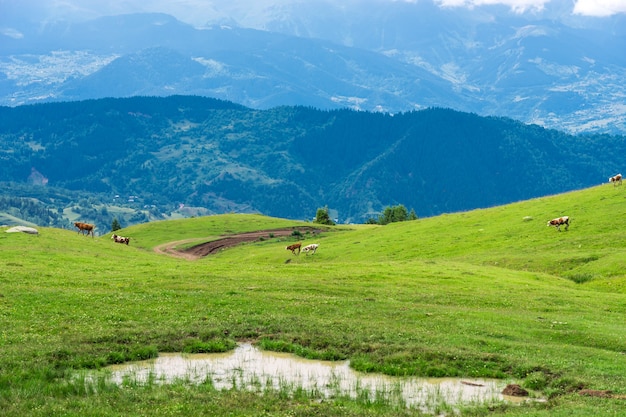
x=403 y=57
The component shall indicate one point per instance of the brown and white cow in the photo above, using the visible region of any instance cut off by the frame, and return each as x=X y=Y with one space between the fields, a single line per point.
x=310 y=248
x=293 y=248
x=85 y=227
x=615 y=179
x=560 y=221
x=120 y=239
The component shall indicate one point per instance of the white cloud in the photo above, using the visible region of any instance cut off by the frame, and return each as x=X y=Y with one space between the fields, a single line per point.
x=518 y=6
x=599 y=8
x=11 y=33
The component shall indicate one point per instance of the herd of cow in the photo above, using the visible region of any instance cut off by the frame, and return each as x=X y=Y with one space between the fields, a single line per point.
x=307 y=249
x=89 y=228
x=312 y=248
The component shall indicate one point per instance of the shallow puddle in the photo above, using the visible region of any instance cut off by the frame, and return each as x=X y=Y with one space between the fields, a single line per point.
x=252 y=369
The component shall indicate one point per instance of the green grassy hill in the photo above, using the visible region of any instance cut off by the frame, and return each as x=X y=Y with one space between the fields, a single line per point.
x=485 y=293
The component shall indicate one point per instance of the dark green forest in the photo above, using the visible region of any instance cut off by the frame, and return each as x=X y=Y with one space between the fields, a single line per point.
x=185 y=155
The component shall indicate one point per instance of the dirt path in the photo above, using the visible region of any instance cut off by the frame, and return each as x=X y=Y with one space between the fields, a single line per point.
x=207 y=248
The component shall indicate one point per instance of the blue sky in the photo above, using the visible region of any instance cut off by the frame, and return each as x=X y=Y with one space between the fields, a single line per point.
x=598 y=8
x=201 y=12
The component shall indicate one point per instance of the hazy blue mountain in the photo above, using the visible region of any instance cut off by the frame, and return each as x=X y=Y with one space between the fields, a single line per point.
x=389 y=57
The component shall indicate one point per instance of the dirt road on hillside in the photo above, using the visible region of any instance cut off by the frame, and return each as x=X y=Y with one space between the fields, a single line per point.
x=207 y=248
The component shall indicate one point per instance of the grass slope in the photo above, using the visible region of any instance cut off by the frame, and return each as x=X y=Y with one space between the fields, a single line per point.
x=486 y=293
x=10 y=220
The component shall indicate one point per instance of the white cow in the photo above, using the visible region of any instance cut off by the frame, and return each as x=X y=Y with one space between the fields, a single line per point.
x=120 y=239
x=560 y=221
x=310 y=248
x=616 y=179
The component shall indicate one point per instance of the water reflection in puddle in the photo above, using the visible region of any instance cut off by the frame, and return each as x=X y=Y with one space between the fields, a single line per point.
x=249 y=368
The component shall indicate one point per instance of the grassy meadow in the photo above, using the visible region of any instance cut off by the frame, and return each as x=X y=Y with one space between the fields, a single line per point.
x=485 y=293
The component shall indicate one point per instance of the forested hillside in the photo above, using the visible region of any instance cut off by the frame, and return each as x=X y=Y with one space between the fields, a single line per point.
x=191 y=155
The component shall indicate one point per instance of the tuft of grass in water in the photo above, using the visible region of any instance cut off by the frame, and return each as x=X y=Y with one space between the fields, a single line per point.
x=299 y=350
x=212 y=346
x=537 y=381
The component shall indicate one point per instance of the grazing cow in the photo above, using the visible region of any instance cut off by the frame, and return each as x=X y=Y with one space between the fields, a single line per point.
x=616 y=179
x=120 y=239
x=559 y=221
x=293 y=248
x=82 y=227
x=310 y=248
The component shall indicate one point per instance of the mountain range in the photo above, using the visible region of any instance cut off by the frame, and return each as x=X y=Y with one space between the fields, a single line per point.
x=400 y=57
x=158 y=155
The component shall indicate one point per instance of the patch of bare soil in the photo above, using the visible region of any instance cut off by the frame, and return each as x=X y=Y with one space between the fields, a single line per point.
x=207 y=248
x=514 y=390
x=600 y=393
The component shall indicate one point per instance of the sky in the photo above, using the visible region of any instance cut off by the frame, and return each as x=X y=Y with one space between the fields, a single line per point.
x=201 y=12
x=596 y=8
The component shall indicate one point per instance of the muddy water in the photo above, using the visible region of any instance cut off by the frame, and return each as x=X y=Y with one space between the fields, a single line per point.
x=249 y=368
